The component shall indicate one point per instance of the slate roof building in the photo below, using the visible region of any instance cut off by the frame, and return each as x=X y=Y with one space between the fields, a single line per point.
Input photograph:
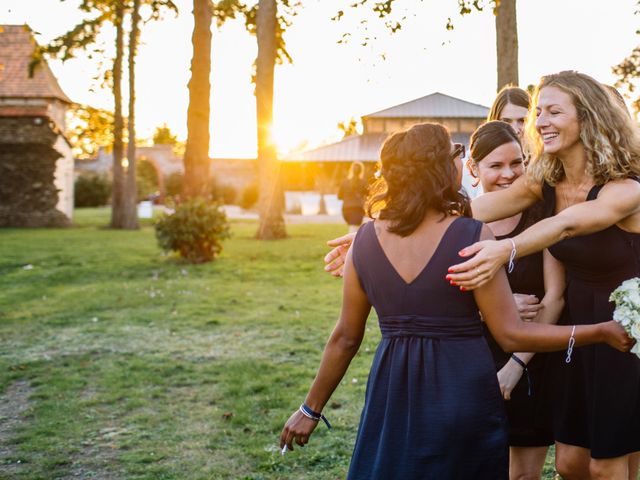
x=36 y=163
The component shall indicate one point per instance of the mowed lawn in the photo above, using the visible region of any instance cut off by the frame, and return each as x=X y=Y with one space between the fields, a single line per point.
x=117 y=362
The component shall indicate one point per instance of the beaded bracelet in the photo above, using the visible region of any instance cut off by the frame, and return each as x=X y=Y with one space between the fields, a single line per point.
x=315 y=416
x=519 y=361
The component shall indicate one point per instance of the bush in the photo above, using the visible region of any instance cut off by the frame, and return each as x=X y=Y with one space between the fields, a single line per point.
x=195 y=230
x=224 y=193
x=146 y=180
x=173 y=184
x=249 y=197
x=92 y=190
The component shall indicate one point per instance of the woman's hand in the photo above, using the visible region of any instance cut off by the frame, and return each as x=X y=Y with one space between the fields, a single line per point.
x=335 y=258
x=616 y=337
x=490 y=255
x=298 y=428
x=528 y=306
x=508 y=378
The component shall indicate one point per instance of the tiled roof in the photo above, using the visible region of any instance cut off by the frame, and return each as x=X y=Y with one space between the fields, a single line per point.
x=436 y=105
x=17 y=45
x=362 y=148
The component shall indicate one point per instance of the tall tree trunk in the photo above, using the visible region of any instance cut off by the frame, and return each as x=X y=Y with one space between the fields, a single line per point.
x=271 y=198
x=130 y=214
x=507 y=43
x=196 y=155
x=117 y=202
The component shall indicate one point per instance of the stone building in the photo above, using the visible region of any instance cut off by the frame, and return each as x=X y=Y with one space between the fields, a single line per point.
x=36 y=163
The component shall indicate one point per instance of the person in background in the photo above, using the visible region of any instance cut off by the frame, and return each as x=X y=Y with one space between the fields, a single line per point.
x=353 y=192
x=496 y=161
x=511 y=106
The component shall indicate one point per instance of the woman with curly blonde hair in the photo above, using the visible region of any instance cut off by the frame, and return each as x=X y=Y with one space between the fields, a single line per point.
x=585 y=165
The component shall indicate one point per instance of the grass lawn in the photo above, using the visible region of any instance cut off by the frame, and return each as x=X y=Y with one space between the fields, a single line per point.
x=118 y=362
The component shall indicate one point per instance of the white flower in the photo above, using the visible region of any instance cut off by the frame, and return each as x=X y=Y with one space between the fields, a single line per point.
x=634 y=331
x=633 y=298
x=627 y=311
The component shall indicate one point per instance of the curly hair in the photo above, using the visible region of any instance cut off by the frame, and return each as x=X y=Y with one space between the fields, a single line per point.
x=609 y=136
x=417 y=174
x=508 y=95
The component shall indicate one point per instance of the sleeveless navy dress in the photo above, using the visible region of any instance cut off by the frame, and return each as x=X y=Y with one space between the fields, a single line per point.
x=529 y=411
x=433 y=408
x=598 y=393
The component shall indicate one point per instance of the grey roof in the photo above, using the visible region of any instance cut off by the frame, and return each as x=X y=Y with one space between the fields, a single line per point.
x=362 y=148
x=436 y=105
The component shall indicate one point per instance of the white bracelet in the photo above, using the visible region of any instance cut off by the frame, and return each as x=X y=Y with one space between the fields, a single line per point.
x=572 y=342
x=512 y=257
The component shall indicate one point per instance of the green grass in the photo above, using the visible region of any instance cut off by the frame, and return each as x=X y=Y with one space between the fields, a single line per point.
x=140 y=366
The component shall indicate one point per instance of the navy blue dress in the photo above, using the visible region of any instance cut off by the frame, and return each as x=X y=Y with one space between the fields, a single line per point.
x=598 y=393
x=433 y=408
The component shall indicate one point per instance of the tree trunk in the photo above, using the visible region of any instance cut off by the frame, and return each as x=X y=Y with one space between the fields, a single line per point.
x=117 y=202
x=271 y=197
x=507 y=43
x=130 y=214
x=196 y=155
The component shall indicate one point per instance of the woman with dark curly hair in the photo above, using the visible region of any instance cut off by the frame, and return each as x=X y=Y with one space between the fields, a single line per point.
x=433 y=407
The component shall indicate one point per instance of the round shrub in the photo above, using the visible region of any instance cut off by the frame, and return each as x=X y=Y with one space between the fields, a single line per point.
x=92 y=190
x=249 y=197
x=224 y=193
x=195 y=230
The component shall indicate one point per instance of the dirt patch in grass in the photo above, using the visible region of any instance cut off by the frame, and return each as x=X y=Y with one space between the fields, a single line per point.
x=98 y=458
x=13 y=404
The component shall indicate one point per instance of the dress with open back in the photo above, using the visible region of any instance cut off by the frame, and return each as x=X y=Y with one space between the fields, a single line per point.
x=433 y=408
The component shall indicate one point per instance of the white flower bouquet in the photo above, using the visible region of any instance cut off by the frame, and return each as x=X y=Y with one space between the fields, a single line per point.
x=627 y=312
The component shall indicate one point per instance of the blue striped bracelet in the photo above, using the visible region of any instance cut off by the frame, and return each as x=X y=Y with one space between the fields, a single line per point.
x=307 y=412
x=519 y=361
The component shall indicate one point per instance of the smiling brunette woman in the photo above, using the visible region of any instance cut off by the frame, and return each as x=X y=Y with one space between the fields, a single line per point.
x=586 y=166
x=538 y=284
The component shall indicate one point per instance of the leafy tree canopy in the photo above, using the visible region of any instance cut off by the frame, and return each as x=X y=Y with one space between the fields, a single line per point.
x=163 y=136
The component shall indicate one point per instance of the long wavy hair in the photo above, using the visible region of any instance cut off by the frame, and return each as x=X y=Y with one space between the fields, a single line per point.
x=610 y=138
x=417 y=173
x=508 y=94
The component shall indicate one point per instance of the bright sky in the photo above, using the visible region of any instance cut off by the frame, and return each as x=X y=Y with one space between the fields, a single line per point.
x=328 y=82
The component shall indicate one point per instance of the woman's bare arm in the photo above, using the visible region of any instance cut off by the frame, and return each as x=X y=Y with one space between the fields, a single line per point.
x=343 y=344
x=500 y=204
x=498 y=308
x=552 y=304
x=618 y=201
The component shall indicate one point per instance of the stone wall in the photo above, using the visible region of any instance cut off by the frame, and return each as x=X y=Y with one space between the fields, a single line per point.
x=28 y=195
